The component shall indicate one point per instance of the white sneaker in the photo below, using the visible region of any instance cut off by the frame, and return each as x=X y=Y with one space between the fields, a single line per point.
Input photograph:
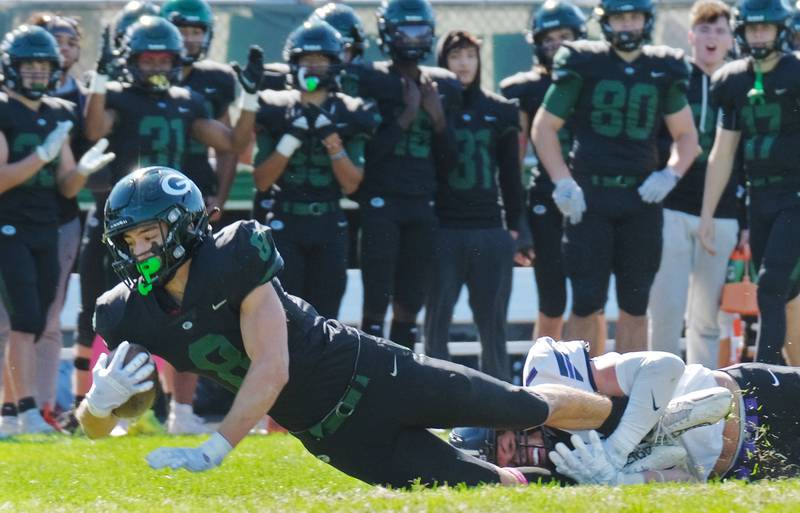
x=183 y=421
x=31 y=422
x=9 y=426
x=692 y=410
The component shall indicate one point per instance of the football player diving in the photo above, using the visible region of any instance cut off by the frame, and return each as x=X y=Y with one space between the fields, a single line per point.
x=210 y=303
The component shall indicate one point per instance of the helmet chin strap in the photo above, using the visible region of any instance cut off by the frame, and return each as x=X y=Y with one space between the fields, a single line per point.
x=308 y=84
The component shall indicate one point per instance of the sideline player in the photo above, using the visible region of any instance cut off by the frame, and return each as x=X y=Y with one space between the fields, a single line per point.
x=615 y=92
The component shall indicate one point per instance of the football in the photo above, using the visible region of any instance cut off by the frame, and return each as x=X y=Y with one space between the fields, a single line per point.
x=143 y=401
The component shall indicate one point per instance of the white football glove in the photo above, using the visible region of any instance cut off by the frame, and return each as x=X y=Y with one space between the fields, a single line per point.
x=197 y=459
x=51 y=147
x=568 y=196
x=95 y=159
x=589 y=465
x=113 y=383
x=658 y=185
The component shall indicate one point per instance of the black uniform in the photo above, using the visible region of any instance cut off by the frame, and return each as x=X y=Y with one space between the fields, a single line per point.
x=542 y=214
x=357 y=402
x=302 y=208
x=616 y=108
x=29 y=215
x=151 y=128
x=396 y=198
x=216 y=83
x=473 y=245
x=771 y=151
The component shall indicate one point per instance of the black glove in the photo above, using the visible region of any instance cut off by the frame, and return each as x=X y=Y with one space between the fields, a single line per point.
x=107 y=55
x=252 y=76
x=324 y=124
x=297 y=120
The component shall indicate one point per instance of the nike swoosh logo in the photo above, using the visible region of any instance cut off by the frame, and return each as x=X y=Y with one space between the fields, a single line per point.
x=394 y=371
x=655 y=407
x=775 y=381
x=489 y=118
x=183 y=110
x=780 y=91
x=657 y=74
x=211 y=89
x=218 y=305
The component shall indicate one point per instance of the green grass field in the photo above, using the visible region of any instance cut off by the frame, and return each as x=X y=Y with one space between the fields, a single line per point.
x=53 y=474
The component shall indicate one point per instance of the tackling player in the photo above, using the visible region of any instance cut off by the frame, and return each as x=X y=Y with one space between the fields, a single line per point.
x=35 y=165
x=211 y=304
x=616 y=92
x=758 y=440
x=757 y=96
x=475 y=241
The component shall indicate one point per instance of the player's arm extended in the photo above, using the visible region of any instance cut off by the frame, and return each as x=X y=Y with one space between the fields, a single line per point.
x=99 y=121
x=570 y=408
x=544 y=134
x=684 y=136
x=94 y=427
x=263 y=324
x=718 y=170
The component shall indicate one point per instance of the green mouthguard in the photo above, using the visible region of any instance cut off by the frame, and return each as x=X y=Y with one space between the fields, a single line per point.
x=311 y=84
x=148 y=269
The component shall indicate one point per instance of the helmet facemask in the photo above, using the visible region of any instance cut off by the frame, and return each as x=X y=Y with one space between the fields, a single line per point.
x=155 y=80
x=409 y=41
x=627 y=40
x=158 y=265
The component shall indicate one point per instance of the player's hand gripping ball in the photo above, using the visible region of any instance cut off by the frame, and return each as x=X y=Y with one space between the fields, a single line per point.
x=139 y=402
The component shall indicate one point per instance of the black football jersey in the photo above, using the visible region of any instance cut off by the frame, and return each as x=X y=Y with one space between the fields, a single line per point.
x=309 y=174
x=687 y=196
x=151 y=129
x=35 y=201
x=487 y=133
x=404 y=163
x=216 y=83
x=616 y=118
x=204 y=335
x=529 y=88
x=770 y=126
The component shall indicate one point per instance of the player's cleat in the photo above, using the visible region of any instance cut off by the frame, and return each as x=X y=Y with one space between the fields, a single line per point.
x=183 y=421
x=32 y=422
x=147 y=424
x=9 y=426
x=68 y=422
x=654 y=457
x=49 y=416
x=689 y=411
